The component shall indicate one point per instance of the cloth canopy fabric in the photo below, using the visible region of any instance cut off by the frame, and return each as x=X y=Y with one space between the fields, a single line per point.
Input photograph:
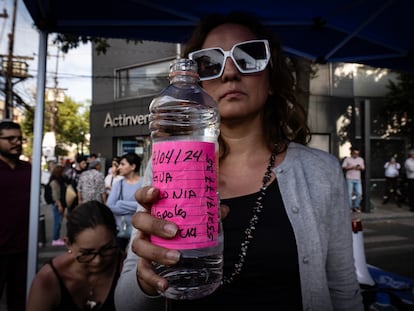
x=371 y=32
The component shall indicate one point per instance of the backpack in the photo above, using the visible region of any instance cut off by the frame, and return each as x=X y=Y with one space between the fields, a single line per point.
x=48 y=194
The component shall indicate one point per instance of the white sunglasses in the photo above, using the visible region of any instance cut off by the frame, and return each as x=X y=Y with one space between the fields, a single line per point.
x=249 y=57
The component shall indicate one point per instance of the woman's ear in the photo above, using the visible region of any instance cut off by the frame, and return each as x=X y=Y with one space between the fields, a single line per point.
x=67 y=243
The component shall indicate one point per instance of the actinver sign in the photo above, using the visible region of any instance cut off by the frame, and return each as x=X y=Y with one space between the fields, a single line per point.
x=125 y=120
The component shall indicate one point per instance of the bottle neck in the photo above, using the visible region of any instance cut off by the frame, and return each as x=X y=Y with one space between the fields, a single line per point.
x=184 y=77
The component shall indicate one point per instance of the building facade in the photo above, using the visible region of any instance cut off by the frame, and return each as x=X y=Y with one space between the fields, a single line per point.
x=131 y=74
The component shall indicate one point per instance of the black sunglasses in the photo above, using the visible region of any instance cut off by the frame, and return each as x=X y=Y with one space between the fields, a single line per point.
x=89 y=256
x=14 y=139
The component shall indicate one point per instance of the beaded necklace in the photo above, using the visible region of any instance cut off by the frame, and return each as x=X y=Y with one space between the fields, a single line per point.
x=257 y=208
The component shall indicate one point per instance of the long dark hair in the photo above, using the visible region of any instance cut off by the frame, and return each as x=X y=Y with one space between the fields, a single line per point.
x=284 y=118
x=57 y=173
x=89 y=215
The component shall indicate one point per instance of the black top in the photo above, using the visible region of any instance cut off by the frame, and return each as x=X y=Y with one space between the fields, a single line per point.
x=15 y=208
x=269 y=279
x=67 y=303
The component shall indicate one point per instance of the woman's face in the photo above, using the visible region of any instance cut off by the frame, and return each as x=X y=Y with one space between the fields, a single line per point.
x=83 y=165
x=239 y=96
x=95 y=248
x=125 y=168
x=115 y=167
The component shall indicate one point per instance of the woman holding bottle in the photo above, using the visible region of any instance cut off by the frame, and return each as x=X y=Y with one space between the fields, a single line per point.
x=300 y=254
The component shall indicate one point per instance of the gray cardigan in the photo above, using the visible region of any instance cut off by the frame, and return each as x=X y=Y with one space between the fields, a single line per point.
x=314 y=194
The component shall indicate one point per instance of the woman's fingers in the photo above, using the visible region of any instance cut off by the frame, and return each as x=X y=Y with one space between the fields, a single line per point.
x=147 y=195
x=224 y=211
x=150 y=282
x=149 y=224
x=145 y=249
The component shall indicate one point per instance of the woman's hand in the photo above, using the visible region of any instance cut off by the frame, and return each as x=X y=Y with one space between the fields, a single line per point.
x=60 y=207
x=148 y=225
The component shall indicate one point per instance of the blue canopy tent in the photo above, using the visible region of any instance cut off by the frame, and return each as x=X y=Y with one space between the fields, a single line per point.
x=371 y=32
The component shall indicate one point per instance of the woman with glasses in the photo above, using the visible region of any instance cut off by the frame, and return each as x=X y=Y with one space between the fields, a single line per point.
x=299 y=255
x=84 y=277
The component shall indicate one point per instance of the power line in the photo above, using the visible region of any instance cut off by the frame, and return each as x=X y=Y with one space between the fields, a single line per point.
x=8 y=111
x=13 y=67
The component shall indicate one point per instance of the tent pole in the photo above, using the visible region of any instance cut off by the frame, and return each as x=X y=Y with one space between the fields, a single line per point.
x=36 y=162
x=367 y=156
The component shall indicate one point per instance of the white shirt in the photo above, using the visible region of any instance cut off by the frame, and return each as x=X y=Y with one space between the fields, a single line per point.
x=392 y=169
x=409 y=168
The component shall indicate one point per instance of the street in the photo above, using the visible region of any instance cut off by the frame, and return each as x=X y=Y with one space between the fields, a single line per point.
x=389 y=245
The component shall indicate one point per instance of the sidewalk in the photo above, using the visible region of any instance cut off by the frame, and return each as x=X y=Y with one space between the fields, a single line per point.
x=378 y=212
x=387 y=211
x=47 y=251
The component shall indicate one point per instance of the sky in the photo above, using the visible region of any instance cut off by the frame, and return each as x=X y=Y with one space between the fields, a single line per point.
x=74 y=70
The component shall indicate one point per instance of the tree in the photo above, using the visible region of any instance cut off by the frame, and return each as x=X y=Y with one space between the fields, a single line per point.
x=68 y=42
x=398 y=109
x=72 y=126
x=303 y=70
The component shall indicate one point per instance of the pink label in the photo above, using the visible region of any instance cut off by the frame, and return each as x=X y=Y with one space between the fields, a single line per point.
x=186 y=174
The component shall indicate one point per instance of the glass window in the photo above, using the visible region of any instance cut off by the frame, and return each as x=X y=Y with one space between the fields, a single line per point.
x=144 y=80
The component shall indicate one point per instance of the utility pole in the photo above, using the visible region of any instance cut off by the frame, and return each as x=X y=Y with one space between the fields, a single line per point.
x=8 y=111
x=54 y=103
x=54 y=96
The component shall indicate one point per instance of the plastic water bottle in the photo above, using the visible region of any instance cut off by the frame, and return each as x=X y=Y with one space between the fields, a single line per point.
x=382 y=303
x=184 y=125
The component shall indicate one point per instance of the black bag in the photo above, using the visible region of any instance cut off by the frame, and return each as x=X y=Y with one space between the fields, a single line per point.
x=63 y=193
x=48 y=194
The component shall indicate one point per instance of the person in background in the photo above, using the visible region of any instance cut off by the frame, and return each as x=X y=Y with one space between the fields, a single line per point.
x=84 y=277
x=15 y=177
x=392 y=173
x=58 y=186
x=113 y=174
x=92 y=157
x=72 y=176
x=409 y=169
x=91 y=184
x=353 y=166
x=66 y=163
x=121 y=200
x=300 y=256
